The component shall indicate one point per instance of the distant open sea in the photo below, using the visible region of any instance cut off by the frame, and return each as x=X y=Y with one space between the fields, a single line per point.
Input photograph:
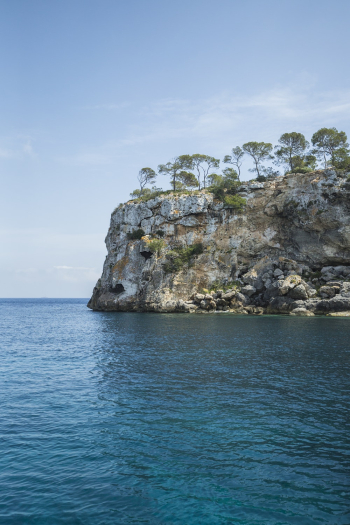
x=122 y=418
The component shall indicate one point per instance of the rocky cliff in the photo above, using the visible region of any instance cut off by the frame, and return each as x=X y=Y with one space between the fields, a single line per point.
x=288 y=251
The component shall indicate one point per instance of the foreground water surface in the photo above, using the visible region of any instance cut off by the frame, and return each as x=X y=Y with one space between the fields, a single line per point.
x=118 y=418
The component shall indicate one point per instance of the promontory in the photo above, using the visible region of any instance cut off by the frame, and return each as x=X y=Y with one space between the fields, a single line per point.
x=285 y=251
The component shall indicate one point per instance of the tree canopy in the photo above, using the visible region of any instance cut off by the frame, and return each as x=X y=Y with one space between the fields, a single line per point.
x=259 y=151
x=146 y=176
x=188 y=179
x=236 y=159
x=188 y=172
x=173 y=169
x=203 y=164
x=291 y=149
x=328 y=142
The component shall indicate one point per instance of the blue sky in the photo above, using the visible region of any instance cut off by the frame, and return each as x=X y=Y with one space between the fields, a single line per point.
x=92 y=91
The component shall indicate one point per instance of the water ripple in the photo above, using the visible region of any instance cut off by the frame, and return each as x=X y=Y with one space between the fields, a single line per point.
x=156 y=419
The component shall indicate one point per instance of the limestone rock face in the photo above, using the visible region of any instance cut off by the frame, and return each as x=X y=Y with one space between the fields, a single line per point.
x=291 y=240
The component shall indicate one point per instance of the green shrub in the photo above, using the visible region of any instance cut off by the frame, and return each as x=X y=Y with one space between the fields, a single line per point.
x=180 y=257
x=234 y=201
x=156 y=246
x=160 y=233
x=302 y=170
x=136 y=234
x=158 y=193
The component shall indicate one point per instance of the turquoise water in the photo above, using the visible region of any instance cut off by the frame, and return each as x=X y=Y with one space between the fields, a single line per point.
x=124 y=418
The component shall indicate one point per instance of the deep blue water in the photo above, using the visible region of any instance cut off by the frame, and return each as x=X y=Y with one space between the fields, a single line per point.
x=117 y=418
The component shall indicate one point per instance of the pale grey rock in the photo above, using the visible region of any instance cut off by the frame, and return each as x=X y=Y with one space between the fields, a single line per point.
x=228 y=296
x=327 y=269
x=279 y=304
x=299 y=292
x=302 y=312
x=339 y=270
x=289 y=283
x=248 y=290
x=338 y=303
x=256 y=186
x=339 y=314
x=328 y=291
x=345 y=290
x=328 y=276
x=269 y=233
x=277 y=272
x=242 y=299
x=298 y=303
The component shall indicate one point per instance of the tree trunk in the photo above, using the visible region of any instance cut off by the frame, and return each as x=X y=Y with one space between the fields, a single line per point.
x=257 y=169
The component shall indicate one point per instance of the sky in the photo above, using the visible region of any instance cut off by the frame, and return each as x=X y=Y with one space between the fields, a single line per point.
x=92 y=91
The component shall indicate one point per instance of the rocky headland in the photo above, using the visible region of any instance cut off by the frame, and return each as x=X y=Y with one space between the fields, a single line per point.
x=286 y=252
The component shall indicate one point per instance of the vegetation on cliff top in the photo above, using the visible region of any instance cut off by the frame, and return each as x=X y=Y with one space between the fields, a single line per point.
x=191 y=173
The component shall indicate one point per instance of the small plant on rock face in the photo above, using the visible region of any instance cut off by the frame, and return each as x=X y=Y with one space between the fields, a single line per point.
x=160 y=233
x=180 y=257
x=234 y=201
x=136 y=235
x=156 y=246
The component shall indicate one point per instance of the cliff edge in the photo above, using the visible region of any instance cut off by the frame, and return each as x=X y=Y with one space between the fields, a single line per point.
x=288 y=251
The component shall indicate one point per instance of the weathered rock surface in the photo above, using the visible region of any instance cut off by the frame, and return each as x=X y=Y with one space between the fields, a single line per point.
x=287 y=252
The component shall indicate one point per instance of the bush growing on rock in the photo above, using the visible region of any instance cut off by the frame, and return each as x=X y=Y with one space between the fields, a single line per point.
x=136 y=235
x=224 y=187
x=156 y=246
x=235 y=202
x=182 y=256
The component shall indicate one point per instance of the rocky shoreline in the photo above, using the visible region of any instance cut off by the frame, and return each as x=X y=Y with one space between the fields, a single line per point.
x=272 y=287
x=287 y=252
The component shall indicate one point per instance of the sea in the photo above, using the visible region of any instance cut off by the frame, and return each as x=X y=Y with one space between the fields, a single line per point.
x=129 y=418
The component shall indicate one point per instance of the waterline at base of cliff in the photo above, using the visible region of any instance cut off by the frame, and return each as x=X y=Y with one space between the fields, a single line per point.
x=286 y=252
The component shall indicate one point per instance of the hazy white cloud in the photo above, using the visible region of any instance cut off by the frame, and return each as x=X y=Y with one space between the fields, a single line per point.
x=223 y=118
x=72 y=268
x=226 y=112
x=28 y=149
x=75 y=273
x=94 y=158
x=60 y=273
x=5 y=153
x=16 y=146
x=109 y=107
x=27 y=271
